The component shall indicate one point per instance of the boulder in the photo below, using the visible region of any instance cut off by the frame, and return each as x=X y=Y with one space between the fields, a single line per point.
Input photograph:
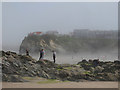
x=12 y=78
x=96 y=62
x=117 y=62
x=16 y=78
x=111 y=77
x=98 y=69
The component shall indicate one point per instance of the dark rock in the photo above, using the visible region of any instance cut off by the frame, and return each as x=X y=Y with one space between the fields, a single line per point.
x=15 y=66
x=16 y=78
x=2 y=53
x=4 y=77
x=111 y=77
x=84 y=61
x=12 y=78
x=90 y=61
x=95 y=62
x=8 y=53
x=117 y=62
x=98 y=69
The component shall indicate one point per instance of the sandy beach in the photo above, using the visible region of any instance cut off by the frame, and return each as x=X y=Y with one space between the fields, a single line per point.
x=61 y=85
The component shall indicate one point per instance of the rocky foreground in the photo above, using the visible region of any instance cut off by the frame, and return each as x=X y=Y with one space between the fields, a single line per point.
x=15 y=67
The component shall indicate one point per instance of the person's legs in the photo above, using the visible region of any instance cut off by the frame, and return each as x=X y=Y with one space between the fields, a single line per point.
x=54 y=58
x=40 y=57
x=27 y=53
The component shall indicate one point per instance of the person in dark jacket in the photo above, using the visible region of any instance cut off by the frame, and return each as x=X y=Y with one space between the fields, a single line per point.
x=42 y=54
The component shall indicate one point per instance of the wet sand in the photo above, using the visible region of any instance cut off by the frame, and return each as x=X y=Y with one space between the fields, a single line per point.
x=92 y=84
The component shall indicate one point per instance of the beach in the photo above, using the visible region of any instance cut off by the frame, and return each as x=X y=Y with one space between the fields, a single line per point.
x=90 y=84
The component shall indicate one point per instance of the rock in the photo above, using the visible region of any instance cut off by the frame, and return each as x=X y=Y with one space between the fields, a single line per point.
x=25 y=58
x=8 y=53
x=98 y=69
x=84 y=61
x=15 y=66
x=90 y=61
x=111 y=77
x=16 y=78
x=62 y=74
x=101 y=78
x=2 y=53
x=110 y=67
x=4 y=77
x=117 y=62
x=92 y=69
x=101 y=63
x=45 y=75
x=86 y=66
x=95 y=62
x=12 y=78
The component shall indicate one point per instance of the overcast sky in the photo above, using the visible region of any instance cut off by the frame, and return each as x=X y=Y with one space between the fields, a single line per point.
x=21 y=18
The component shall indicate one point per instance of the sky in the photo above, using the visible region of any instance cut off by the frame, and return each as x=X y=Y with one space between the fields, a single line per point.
x=21 y=18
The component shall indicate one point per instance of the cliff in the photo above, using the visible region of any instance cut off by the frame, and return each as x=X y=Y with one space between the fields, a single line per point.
x=67 y=44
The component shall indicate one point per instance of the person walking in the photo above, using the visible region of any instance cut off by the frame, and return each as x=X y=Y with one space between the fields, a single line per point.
x=54 y=56
x=42 y=54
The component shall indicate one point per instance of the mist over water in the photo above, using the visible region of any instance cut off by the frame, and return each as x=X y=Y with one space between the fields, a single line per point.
x=75 y=58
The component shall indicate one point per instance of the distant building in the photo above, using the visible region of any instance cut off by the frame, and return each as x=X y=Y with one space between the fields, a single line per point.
x=80 y=32
x=52 y=32
x=85 y=33
x=35 y=33
x=106 y=34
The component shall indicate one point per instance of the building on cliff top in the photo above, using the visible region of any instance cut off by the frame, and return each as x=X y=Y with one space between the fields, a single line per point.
x=35 y=33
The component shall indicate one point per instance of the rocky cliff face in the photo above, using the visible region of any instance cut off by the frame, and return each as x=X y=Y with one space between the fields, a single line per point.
x=35 y=43
x=15 y=66
x=66 y=44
